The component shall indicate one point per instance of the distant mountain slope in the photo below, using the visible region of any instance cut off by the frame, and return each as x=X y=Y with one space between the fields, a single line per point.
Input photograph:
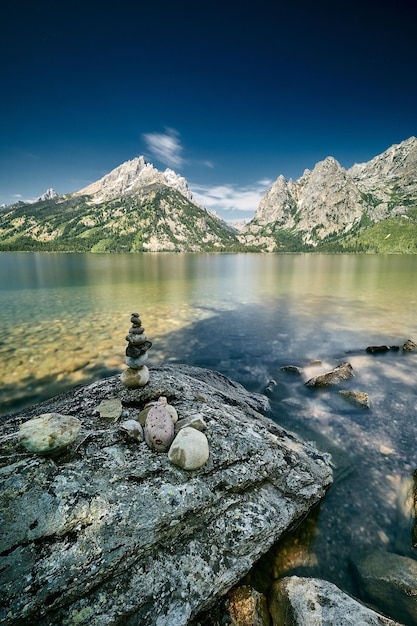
x=328 y=207
x=133 y=208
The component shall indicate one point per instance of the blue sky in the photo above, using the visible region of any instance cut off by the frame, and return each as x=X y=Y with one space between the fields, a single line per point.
x=228 y=95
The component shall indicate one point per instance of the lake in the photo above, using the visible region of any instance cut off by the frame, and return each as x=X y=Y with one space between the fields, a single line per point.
x=64 y=318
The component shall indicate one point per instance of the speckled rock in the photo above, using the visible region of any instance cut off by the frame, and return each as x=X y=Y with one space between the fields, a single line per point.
x=159 y=428
x=409 y=346
x=49 y=433
x=190 y=449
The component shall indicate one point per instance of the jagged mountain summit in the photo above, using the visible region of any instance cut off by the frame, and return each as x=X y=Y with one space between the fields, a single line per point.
x=370 y=207
x=49 y=194
x=330 y=204
x=133 y=208
x=133 y=176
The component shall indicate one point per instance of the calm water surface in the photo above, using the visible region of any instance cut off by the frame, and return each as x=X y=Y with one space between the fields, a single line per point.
x=64 y=317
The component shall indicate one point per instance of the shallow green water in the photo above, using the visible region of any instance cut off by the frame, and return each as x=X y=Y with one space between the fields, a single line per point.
x=64 y=317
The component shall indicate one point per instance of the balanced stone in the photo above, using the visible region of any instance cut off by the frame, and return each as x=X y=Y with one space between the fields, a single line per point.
x=49 y=433
x=136 y=355
x=137 y=339
x=189 y=449
x=137 y=350
x=159 y=428
x=134 y=378
x=138 y=362
x=136 y=330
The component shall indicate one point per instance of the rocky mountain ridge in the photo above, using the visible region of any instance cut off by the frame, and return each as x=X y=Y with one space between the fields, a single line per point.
x=331 y=202
x=370 y=207
x=133 y=208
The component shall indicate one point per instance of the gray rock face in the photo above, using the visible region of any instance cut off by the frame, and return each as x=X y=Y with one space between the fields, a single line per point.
x=331 y=200
x=132 y=176
x=113 y=533
x=298 y=601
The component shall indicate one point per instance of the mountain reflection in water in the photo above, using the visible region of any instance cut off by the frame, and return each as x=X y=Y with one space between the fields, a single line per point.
x=64 y=318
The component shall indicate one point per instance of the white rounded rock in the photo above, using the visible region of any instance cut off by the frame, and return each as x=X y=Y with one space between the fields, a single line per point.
x=132 y=379
x=49 y=433
x=190 y=449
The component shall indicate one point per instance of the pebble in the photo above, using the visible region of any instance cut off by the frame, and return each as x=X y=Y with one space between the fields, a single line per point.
x=190 y=449
x=193 y=421
x=110 y=409
x=49 y=433
x=159 y=429
x=132 y=429
x=136 y=339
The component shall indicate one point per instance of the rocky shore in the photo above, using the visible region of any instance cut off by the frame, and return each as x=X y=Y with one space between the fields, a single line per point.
x=107 y=531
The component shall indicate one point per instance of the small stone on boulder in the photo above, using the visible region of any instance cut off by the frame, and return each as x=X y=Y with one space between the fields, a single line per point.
x=159 y=428
x=194 y=421
x=132 y=429
x=49 y=433
x=189 y=449
x=110 y=409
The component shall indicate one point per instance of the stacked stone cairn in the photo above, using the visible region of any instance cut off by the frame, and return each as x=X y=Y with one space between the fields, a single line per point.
x=137 y=374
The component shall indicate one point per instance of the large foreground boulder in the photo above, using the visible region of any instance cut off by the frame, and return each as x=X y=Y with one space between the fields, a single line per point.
x=110 y=532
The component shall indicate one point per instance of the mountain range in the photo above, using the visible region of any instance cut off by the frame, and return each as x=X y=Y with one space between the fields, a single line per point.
x=370 y=207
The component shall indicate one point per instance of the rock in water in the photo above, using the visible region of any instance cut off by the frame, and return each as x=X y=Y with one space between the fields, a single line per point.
x=190 y=449
x=335 y=376
x=315 y=602
x=159 y=428
x=49 y=433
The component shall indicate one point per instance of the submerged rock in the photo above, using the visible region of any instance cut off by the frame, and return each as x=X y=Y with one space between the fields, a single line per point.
x=359 y=398
x=409 y=346
x=49 y=433
x=111 y=533
x=344 y=371
x=390 y=581
x=296 y=601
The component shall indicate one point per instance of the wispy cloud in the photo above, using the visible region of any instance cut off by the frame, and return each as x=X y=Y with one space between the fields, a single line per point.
x=165 y=147
x=231 y=198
